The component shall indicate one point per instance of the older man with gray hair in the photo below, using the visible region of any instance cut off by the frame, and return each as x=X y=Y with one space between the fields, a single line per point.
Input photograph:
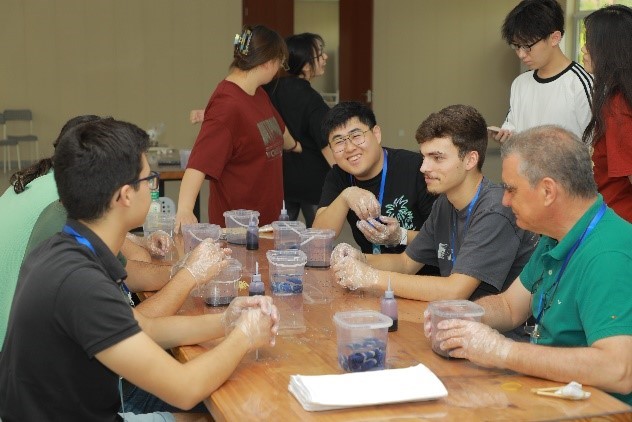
x=576 y=284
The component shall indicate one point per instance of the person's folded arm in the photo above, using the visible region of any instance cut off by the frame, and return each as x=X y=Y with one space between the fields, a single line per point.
x=509 y=309
x=189 y=190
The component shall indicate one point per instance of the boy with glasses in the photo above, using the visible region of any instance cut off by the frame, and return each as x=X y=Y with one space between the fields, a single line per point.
x=378 y=190
x=555 y=90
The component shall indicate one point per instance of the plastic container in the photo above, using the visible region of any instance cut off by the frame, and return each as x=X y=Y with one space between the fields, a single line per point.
x=194 y=234
x=287 y=269
x=287 y=234
x=223 y=288
x=184 y=157
x=163 y=222
x=362 y=340
x=317 y=245
x=237 y=223
x=451 y=309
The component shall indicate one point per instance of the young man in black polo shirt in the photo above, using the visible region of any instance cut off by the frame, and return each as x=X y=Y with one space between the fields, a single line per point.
x=71 y=330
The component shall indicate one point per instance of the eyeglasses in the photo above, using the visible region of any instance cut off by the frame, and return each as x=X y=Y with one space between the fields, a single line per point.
x=152 y=180
x=357 y=138
x=526 y=48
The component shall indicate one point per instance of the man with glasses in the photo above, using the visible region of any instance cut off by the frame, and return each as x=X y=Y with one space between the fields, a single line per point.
x=72 y=333
x=378 y=190
x=555 y=90
x=576 y=284
x=469 y=235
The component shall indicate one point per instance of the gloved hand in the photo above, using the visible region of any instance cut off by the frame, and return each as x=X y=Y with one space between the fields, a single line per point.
x=362 y=202
x=427 y=324
x=474 y=341
x=204 y=262
x=353 y=274
x=257 y=326
x=159 y=243
x=385 y=231
x=243 y=303
x=344 y=249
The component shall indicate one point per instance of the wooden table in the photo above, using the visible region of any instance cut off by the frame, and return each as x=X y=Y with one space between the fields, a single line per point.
x=258 y=389
x=175 y=173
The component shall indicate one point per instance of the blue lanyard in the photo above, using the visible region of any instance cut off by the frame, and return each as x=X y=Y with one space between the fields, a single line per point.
x=380 y=197
x=85 y=242
x=453 y=232
x=591 y=226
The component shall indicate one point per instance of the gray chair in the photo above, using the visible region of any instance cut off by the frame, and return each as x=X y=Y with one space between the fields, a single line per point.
x=17 y=131
x=5 y=144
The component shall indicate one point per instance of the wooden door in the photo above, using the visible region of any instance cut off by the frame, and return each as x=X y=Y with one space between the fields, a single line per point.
x=275 y=14
x=356 y=50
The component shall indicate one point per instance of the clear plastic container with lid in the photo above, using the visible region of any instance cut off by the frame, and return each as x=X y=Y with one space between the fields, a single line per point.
x=317 y=245
x=362 y=340
x=223 y=288
x=451 y=309
x=287 y=269
x=237 y=222
x=287 y=234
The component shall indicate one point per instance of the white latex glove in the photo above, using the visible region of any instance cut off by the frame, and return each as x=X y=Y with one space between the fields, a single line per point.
x=204 y=262
x=362 y=202
x=353 y=274
x=159 y=243
x=475 y=341
x=257 y=326
x=243 y=303
x=385 y=231
x=344 y=249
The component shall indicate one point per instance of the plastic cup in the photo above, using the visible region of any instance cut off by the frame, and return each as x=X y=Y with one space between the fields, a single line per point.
x=237 y=223
x=451 y=309
x=184 y=158
x=317 y=245
x=287 y=270
x=223 y=288
x=362 y=340
x=162 y=222
x=194 y=234
x=287 y=234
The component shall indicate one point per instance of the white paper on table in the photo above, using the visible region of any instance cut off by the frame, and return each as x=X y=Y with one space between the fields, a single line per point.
x=326 y=392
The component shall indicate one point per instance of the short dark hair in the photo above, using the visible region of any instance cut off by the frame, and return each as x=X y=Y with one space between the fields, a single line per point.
x=533 y=20
x=263 y=45
x=552 y=151
x=342 y=112
x=302 y=49
x=463 y=124
x=93 y=160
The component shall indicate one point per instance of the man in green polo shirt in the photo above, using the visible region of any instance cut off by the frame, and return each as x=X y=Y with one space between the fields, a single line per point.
x=576 y=285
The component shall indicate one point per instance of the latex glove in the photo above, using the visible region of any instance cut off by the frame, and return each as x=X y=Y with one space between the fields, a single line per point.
x=243 y=303
x=204 y=262
x=385 y=231
x=257 y=326
x=427 y=324
x=474 y=341
x=362 y=202
x=196 y=116
x=353 y=274
x=159 y=243
x=344 y=249
x=182 y=218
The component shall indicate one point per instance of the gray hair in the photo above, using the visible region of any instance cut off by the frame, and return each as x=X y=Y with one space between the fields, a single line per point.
x=551 y=151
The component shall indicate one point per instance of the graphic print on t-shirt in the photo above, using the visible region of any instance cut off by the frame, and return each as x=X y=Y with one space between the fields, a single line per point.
x=272 y=137
x=398 y=209
x=444 y=252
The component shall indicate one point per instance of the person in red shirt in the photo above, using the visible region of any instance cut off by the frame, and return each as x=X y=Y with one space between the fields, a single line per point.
x=608 y=55
x=242 y=138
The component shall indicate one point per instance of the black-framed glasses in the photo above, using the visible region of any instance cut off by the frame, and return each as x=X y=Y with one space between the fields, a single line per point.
x=152 y=180
x=356 y=137
x=526 y=48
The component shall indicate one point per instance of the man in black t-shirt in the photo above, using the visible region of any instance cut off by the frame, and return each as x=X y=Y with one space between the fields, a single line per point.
x=380 y=191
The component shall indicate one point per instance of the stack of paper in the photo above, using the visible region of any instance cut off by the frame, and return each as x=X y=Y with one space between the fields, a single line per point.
x=326 y=392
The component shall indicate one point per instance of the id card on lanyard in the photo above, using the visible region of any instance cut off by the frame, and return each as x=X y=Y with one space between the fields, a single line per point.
x=376 y=248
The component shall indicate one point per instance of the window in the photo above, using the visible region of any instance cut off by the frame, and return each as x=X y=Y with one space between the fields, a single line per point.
x=583 y=8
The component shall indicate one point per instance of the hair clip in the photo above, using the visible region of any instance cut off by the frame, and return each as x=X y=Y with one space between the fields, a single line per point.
x=242 y=42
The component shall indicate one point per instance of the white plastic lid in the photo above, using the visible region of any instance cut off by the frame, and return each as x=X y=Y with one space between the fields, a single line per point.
x=362 y=319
